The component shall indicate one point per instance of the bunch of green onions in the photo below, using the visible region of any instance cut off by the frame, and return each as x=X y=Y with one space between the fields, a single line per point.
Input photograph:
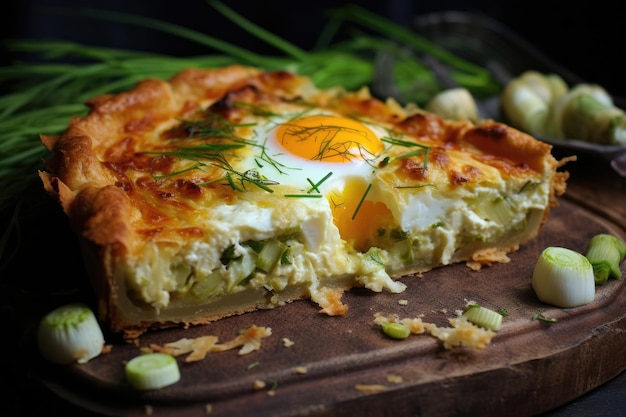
x=44 y=96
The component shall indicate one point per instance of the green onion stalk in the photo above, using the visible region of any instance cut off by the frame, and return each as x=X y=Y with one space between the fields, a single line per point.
x=45 y=95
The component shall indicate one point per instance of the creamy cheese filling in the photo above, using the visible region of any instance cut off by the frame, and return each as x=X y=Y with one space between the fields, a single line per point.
x=435 y=226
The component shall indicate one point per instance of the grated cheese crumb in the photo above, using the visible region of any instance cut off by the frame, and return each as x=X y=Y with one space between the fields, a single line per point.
x=249 y=340
x=462 y=332
x=287 y=342
x=403 y=302
x=370 y=387
x=258 y=384
x=330 y=301
x=394 y=379
x=300 y=370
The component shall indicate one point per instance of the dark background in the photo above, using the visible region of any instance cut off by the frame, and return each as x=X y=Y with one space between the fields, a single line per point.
x=588 y=38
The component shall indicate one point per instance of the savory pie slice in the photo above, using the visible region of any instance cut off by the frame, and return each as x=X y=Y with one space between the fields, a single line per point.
x=226 y=190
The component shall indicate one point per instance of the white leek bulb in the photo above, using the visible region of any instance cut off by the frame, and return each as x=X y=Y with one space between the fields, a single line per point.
x=69 y=334
x=524 y=108
x=563 y=278
x=538 y=83
x=455 y=104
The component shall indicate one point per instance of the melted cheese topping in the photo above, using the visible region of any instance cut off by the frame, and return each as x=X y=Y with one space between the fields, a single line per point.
x=231 y=180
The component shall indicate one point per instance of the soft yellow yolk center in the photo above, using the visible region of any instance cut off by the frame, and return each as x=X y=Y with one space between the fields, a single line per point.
x=329 y=139
x=358 y=222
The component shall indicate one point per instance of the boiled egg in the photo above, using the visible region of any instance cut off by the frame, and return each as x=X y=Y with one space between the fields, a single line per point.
x=330 y=156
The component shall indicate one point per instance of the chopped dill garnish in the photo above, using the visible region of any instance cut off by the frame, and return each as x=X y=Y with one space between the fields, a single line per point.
x=220 y=138
x=256 y=110
x=415 y=186
x=205 y=150
x=423 y=149
x=543 y=319
x=314 y=186
x=358 y=207
x=212 y=125
x=181 y=171
x=265 y=157
x=245 y=177
x=257 y=176
x=325 y=137
x=303 y=195
x=217 y=159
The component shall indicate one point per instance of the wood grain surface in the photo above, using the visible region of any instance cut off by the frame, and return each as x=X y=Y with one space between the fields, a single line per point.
x=530 y=367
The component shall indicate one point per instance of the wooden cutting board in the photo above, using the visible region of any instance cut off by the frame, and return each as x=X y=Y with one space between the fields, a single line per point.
x=530 y=367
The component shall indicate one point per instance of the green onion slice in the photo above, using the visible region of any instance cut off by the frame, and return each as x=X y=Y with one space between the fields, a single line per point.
x=152 y=371
x=396 y=330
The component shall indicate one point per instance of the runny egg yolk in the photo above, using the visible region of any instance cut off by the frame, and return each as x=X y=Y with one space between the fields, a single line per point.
x=342 y=144
x=329 y=139
x=358 y=221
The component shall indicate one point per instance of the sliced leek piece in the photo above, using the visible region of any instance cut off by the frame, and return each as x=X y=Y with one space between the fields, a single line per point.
x=606 y=252
x=70 y=333
x=396 y=330
x=586 y=117
x=152 y=371
x=538 y=83
x=455 y=104
x=563 y=278
x=524 y=108
x=270 y=255
x=483 y=317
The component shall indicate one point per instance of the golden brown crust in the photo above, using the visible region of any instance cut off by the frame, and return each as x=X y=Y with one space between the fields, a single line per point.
x=105 y=181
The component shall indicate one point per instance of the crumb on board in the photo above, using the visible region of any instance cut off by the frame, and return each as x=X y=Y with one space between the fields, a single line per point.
x=488 y=257
x=287 y=342
x=370 y=387
x=403 y=302
x=394 y=379
x=300 y=370
x=260 y=384
x=462 y=332
x=330 y=300
x=248 y=340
